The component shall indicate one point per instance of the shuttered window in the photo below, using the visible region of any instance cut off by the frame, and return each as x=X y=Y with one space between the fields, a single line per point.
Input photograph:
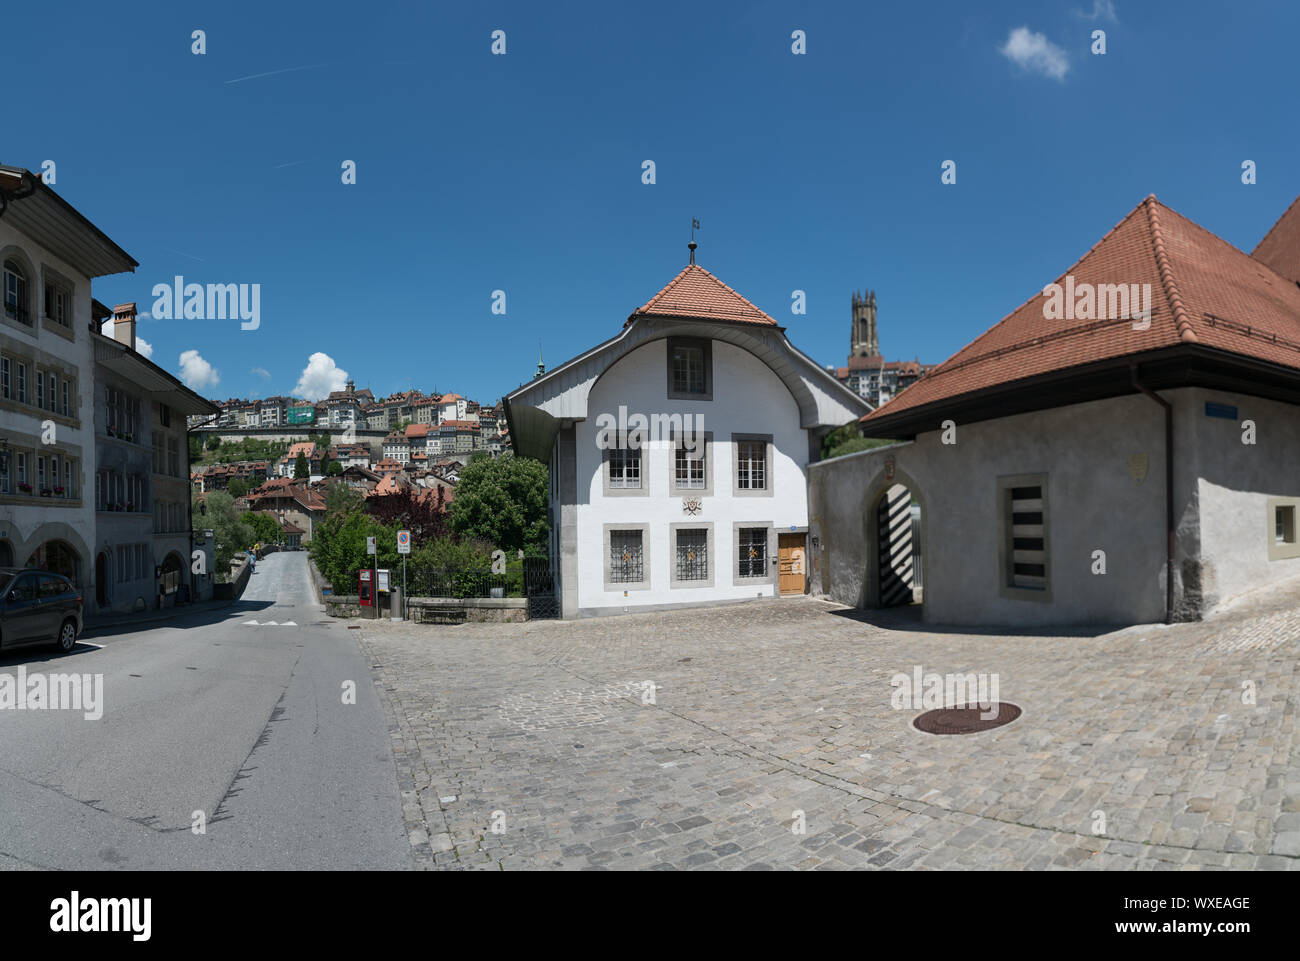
x=1027 y=556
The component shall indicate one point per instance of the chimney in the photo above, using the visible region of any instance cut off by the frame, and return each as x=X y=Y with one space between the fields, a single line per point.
x=124 y=324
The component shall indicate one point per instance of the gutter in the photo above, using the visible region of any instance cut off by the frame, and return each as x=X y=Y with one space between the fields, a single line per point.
x=1169 y=491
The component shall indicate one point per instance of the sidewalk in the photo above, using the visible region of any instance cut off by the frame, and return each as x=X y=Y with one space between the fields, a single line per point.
x=102 y=623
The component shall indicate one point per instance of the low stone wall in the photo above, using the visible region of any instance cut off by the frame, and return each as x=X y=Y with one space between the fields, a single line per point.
x=342 y=605
x=231 y=590
x=438 y=610
x=317 y=581
x=456 y=610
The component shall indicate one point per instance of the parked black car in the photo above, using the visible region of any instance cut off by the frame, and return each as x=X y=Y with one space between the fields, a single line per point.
x=37 y=607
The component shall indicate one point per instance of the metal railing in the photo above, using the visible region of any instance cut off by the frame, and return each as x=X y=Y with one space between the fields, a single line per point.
x=434 y=582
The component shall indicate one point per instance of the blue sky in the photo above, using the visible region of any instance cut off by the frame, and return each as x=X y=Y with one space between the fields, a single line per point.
x=523 y=172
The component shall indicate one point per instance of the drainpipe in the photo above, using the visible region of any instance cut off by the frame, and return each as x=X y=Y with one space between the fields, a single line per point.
x=1169 y=492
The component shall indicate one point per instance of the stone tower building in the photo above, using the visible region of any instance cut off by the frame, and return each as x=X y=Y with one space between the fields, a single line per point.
x=865 y=341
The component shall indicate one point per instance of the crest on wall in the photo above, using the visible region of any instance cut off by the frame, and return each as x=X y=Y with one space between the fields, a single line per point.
x=889 y=467
x=1137 y=467
x=692 y=505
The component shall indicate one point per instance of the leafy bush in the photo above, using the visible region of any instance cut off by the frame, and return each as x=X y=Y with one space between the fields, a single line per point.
x=503 y=501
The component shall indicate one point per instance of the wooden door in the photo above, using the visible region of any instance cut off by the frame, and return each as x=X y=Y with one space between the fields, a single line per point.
x=793 y=563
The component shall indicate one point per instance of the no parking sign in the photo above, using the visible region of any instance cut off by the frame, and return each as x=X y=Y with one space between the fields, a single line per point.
x=403 y=542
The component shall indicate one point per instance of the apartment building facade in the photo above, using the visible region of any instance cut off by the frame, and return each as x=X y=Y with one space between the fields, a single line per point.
x=49 y=254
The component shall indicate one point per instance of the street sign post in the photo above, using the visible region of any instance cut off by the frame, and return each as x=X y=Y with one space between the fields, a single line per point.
x=403 y=548
x=372 y=546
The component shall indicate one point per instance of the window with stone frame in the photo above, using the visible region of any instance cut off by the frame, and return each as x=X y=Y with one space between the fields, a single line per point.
x=751 y=465
x=690 y=368
x=57 y=301
x=688 y=473
x=626 y=557
x=625 y=468
x=693 y=554
x=15 y=293
x=753 y=552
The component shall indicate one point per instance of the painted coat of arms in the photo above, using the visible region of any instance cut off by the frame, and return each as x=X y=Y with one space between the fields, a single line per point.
x=1137 y=467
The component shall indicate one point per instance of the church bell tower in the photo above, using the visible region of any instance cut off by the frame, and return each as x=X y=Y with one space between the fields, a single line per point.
x=864 y=340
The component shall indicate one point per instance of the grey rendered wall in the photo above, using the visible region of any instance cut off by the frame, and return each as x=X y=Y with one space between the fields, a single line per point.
x=1095 y=503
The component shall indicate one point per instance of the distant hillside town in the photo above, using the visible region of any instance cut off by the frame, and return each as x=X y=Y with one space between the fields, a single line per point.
x=444 y=423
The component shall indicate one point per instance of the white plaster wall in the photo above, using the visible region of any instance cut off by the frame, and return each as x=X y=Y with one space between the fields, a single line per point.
x=747 y=398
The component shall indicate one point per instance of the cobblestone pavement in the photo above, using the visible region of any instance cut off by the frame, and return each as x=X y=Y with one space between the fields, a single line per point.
x=767 y=709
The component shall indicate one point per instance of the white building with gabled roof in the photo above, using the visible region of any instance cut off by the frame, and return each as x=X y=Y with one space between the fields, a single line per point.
x=678 y=453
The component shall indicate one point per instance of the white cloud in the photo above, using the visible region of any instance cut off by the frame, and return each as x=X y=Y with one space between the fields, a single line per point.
x=319 y=377
x=1035 y=53
x=1101 y=10
x=141 y=345
x=261 y=372
x=197 y=373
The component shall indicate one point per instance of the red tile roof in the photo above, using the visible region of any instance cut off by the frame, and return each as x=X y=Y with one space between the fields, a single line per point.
x=1203 y=291
x=697 y=294
x=1280 y=248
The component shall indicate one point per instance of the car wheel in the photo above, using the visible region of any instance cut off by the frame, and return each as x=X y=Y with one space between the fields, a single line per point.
x=67 y=635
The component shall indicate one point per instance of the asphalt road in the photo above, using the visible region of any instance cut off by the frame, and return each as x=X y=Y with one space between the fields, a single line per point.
x=209 y=712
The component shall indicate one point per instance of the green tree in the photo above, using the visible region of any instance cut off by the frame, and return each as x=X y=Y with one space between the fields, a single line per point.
x=232 y=532
x=301 y=469
x=214 y=442
x=266 y=529
x=237 y=487
x=503 y=501
x=341 y=500
x=334 y=469
x=847 y=440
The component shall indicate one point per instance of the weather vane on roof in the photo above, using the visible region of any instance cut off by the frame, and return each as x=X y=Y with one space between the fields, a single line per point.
x=695 y=225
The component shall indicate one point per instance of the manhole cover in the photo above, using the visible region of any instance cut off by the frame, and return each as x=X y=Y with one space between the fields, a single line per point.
x=965 y=720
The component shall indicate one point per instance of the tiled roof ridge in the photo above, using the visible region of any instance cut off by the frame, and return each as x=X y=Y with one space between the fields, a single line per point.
x=645 y=308
x=1182 y=322
x=664 y=289
x=1277 y=223
x=1215 y=238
